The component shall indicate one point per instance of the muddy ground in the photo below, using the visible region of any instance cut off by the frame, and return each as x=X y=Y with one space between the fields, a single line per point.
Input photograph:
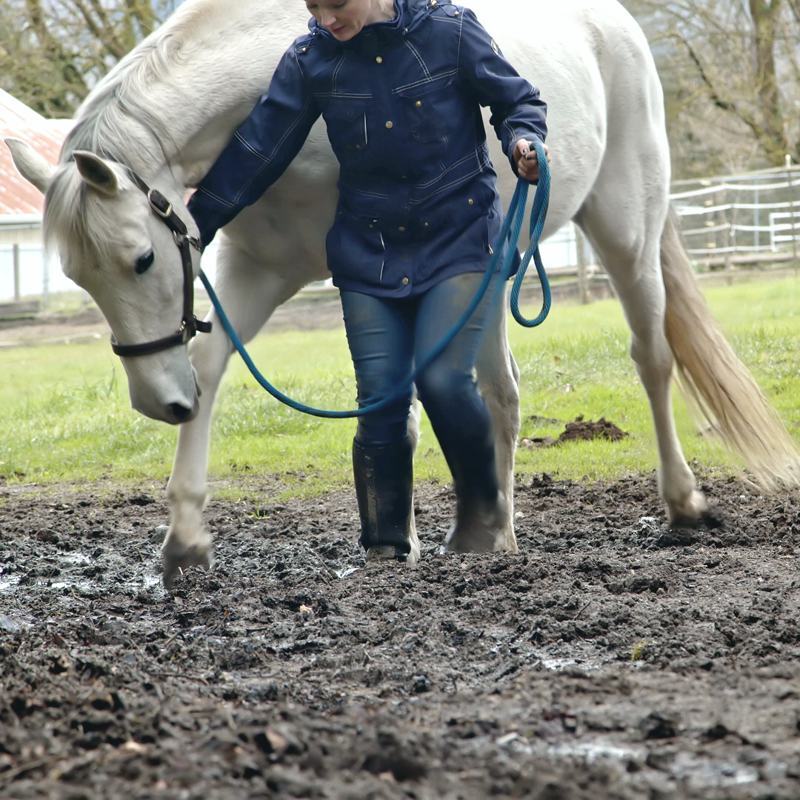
x=613 y=657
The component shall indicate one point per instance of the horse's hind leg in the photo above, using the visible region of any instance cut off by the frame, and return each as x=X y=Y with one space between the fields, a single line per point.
x=249 y=293
x=498 y=381
x=624 y=225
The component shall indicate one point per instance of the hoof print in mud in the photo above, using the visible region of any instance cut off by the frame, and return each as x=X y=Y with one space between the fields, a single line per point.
x=711 y=520
x=401 y=767
x=658 y=726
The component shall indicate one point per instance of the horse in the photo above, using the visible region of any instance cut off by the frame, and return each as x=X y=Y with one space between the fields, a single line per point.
x=164 y=112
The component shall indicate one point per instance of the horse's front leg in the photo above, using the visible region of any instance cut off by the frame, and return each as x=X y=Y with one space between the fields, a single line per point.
x=249 y=292
x=188 y=542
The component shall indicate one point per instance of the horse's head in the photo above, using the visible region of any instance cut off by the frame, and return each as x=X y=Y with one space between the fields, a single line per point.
x=116 y=243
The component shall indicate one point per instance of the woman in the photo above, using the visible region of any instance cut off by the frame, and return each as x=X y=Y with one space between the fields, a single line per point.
x=399 y=84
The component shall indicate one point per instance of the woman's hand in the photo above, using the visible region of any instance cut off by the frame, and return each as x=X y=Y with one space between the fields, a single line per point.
x=527 y=161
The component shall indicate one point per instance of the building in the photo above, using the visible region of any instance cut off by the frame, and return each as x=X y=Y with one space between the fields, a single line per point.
x=25 y=271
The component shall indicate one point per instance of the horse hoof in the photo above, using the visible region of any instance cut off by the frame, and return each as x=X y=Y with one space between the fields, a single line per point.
x=691 y=512
x=390 y=553
x=175 y=560
x=480 y=539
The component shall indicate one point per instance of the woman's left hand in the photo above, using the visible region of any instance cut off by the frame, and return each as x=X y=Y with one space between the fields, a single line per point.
x=527 y=161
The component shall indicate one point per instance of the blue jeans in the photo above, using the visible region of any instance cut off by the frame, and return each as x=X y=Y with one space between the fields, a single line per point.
x=387 y=336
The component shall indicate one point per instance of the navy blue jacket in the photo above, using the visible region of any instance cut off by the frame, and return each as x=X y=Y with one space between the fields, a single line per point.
x=417 y=191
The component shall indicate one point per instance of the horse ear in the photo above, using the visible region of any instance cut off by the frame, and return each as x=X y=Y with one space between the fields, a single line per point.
x=31 y=165
x=96 y=172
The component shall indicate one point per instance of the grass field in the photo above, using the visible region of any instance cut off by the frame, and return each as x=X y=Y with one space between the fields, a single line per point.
x=66 y=415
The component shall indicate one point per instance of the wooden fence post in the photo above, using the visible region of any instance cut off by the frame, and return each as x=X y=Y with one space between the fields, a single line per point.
x=792 y=211
x=583 y=265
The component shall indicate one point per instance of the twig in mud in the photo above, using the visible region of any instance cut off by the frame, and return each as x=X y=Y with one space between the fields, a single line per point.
x=7 y=778
x=171 y=639
x=581 y=610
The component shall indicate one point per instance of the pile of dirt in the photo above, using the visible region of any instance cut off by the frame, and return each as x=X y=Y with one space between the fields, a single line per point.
x=586 y=430
x=613 y=657
x=579 y=430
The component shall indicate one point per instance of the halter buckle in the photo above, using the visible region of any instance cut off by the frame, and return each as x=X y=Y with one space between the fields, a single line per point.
x=186 y=332
x=159 y=203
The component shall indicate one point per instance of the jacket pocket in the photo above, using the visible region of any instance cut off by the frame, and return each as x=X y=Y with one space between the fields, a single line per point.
x=346 y=120
x=356 y=253
x=426 y=107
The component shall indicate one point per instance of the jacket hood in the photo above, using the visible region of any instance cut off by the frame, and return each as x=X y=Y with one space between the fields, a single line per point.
x=409 y=14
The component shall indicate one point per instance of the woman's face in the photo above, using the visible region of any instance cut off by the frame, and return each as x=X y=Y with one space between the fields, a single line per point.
x=344 y=19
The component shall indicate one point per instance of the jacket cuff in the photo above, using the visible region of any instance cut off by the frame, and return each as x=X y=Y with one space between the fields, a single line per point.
x=209 y=216
x=529 y=136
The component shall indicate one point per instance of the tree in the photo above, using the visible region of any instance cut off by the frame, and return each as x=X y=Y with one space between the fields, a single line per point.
x=53 y=51
x=730 y=70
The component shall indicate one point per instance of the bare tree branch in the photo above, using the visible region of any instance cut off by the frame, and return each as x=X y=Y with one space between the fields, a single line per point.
x=53 y=51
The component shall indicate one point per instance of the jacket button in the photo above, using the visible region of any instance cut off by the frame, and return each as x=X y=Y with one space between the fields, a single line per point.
x=401 y=228
x=418 y=104
x=379 y=59
x=389 y=124
x=405 y=281
x=426 y=224
x=471 y=202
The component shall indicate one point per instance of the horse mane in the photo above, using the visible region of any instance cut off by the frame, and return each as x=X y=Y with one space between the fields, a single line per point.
x=104 y=124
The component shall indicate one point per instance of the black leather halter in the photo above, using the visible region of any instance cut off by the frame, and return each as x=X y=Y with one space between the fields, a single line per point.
x=190 y=326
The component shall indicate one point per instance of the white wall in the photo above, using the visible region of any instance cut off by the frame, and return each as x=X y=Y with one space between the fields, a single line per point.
x=37 y=276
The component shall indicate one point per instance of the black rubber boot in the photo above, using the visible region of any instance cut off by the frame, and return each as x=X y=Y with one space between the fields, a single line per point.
x=384 y=488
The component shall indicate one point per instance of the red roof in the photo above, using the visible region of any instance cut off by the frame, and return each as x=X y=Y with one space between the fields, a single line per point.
x=17 y=196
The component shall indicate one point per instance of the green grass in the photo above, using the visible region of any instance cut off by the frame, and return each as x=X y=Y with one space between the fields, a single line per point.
x=66 y=415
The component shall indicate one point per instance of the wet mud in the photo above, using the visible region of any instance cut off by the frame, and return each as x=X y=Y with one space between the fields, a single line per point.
x=613 y=657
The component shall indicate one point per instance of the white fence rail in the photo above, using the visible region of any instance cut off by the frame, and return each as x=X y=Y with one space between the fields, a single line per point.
x=750 y=219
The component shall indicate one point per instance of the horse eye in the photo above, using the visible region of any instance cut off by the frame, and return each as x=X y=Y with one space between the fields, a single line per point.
x=145 y=262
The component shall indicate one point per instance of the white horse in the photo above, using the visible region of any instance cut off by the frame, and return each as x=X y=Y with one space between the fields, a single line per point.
x=169 y=107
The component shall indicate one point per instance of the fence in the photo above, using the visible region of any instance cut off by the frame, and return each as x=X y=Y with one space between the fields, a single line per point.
x=736 y=220
x=727 y=222
x=26 y=273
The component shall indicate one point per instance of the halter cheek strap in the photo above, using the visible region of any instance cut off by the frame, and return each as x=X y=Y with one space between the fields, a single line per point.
x=190 y=326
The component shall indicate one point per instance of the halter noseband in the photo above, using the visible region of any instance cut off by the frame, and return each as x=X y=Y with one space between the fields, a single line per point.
x=190 y=326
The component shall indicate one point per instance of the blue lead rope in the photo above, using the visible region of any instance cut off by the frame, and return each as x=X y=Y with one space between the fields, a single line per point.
x=503 y=257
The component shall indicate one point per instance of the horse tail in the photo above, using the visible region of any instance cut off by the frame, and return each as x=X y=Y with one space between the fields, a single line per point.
x=717 y=385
